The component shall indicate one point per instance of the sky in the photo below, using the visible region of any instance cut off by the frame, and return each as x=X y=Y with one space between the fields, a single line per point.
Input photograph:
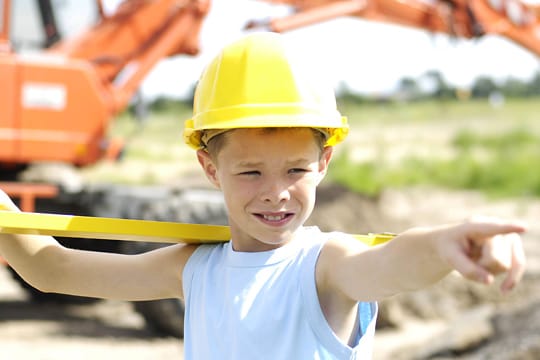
x=367 y=57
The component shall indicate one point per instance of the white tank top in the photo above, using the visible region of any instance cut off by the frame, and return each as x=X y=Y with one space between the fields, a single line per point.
x=264 y=305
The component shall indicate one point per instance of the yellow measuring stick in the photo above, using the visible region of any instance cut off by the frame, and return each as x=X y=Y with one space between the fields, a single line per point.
x=75 y=226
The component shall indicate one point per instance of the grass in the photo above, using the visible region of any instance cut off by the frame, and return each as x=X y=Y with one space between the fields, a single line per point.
x=505 y=174
x=466 y=145
x=494 y=150
x=158 y=138
x=516 y=111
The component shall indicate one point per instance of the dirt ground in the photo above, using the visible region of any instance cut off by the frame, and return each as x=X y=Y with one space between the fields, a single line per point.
x=112 y=330
x=97 y=330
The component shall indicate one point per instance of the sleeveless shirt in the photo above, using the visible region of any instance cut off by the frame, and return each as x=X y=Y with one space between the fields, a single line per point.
x=264 y=305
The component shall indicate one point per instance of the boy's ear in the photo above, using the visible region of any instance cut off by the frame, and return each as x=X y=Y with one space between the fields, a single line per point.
x=324 y=161
x=208 y=167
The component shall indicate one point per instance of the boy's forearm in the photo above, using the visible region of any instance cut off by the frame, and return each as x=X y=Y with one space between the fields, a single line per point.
x=30 y=256
x=410 y=261
x=414 y=261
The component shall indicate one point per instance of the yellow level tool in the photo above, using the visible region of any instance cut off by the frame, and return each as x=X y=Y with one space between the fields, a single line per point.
x=75 y=226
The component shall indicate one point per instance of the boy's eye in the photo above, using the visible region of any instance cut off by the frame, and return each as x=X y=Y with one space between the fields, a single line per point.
x=297 y=171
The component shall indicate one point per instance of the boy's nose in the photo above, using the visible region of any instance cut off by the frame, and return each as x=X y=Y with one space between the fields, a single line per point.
x=275 y=193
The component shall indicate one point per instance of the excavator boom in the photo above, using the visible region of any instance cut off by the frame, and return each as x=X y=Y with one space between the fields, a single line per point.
x=126 y=45
x=511 y=19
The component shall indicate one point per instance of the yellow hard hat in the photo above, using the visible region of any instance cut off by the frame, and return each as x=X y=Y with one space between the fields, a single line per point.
x=254 y=83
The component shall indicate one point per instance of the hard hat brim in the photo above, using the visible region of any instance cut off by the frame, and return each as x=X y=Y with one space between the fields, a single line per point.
x=337 y=129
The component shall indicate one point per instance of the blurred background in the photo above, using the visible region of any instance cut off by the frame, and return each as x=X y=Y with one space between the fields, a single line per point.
x=444 y=125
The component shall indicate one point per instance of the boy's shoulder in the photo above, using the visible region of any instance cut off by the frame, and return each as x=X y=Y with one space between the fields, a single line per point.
x=342 y=240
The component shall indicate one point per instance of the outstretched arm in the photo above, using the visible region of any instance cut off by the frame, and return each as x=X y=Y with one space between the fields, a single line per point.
x=50 y=267
x=478 y=249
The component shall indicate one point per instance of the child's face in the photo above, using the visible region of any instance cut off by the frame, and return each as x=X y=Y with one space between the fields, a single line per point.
x=269 y=180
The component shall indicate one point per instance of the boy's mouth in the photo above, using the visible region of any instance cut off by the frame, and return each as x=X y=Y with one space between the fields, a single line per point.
x=274 y=217
x=277 y=218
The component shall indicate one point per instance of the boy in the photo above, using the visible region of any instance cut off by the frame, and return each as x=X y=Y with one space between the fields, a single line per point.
x=264 y=135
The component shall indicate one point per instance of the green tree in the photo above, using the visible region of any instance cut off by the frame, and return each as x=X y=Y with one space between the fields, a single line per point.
x=442 y=89
x=483 y=86
x=516 y=88
x=408 y=88
x=534 y=84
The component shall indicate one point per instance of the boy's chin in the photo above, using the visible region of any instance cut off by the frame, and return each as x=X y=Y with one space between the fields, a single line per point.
x=279 y=239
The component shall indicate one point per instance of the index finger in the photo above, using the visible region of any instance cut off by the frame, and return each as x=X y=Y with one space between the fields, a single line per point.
x=479 y=228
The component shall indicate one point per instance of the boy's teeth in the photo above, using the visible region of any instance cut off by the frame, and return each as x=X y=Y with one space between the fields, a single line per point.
x=273 y=218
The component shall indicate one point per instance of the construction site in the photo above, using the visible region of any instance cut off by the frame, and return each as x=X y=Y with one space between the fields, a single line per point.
x=59 y=156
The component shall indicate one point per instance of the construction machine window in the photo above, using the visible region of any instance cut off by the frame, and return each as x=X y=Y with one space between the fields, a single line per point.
x=38 y=24
x=2 y=15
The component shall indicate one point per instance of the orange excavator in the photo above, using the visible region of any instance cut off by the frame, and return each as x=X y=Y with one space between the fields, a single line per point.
x=56 y=104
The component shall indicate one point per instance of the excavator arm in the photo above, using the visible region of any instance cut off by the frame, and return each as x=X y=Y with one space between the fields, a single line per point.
x=125 y=46
x=511 y=19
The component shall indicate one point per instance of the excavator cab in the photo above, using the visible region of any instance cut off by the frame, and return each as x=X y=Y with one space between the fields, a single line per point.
x=53 y=105
x=37 y=24
x=58 y=101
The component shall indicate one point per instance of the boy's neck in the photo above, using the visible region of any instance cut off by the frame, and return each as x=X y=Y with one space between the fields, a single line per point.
x=251 y=244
